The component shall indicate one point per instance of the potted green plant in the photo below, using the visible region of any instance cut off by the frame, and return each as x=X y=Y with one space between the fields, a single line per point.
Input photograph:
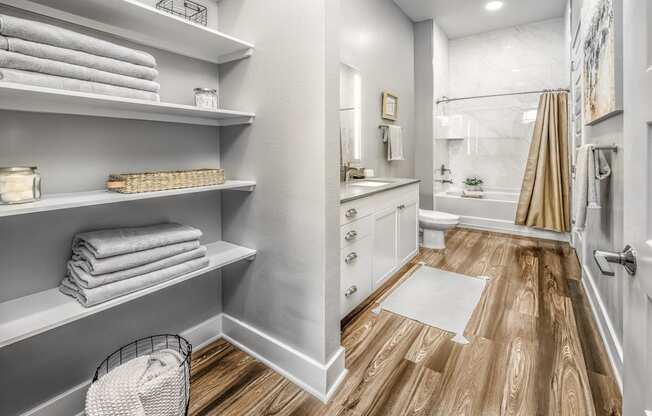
x=473 y=184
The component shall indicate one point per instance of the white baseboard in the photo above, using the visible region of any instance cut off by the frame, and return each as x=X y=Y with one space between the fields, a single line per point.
x=508 y=227
x=605 y=327
x=71 y=402
x=320 y=380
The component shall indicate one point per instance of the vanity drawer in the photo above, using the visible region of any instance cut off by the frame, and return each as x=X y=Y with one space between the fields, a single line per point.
x=355 y=210
x=355 y=267
x=355 y=231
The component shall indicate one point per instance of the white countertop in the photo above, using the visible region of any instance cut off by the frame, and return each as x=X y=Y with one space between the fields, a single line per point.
x=349 y=191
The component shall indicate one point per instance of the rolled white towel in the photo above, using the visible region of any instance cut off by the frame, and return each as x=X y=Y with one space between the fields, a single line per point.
x=64 y=38
x=114 y=242
x=19 y=61
x=69 y=84
x=55 y=53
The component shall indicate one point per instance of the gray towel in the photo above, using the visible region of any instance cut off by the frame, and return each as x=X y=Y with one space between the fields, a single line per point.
x=108 y=243
x=86 y=280
x=64 y=38
x=93 y=296
x=60 y=83
x=41 y=50
x=15 y=60
x=85 y=261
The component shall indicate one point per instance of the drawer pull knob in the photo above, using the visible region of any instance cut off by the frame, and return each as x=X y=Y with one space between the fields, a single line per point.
x=350 y=291
x=351 y=212
x=350 y=257
x=351 y=235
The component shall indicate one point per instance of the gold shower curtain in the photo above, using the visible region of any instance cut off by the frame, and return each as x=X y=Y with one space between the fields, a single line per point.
x=544 y=201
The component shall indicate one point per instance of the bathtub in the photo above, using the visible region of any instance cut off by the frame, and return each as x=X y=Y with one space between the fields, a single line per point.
x=495 y=211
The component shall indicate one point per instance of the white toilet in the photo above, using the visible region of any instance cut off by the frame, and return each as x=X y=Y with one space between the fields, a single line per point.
x=434 y=224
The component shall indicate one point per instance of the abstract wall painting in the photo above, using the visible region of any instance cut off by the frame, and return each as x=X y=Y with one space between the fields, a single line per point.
x=601 y=71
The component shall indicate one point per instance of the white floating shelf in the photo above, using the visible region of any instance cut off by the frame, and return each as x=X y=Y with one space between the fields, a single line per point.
x=143 y=24
x=54 y=202
x=31 y=315
x=18 y=97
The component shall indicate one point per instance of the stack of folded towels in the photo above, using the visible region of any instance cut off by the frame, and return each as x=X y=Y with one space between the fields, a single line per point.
x=43 y=55
x=107 y=264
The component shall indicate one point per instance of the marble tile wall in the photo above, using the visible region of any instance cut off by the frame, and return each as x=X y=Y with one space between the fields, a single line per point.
x=496 y=132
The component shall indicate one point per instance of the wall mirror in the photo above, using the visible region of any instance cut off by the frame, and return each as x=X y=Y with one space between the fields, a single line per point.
x=350 y=115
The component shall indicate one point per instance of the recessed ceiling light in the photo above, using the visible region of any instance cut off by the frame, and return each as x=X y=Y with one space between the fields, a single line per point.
x=492 y=6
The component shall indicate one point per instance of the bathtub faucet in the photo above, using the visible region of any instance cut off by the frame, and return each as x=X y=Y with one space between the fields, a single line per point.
x=444 y=181
x=442 y=170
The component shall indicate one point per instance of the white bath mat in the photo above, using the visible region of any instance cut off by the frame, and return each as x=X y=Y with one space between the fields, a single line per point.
x=437 y=298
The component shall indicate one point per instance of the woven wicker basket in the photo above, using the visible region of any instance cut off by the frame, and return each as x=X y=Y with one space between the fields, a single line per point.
x=131 y=183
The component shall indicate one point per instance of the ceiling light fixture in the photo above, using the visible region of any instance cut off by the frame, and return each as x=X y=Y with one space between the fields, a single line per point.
x=492 y=6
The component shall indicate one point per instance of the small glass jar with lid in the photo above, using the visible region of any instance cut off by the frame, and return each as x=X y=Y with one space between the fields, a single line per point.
x=206 y=98
x=19 y=185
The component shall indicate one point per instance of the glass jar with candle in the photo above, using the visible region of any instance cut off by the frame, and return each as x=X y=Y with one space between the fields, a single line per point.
x=206 y=98
x=19 y=185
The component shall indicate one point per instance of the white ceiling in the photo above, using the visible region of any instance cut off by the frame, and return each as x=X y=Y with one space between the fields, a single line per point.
x=459 y=18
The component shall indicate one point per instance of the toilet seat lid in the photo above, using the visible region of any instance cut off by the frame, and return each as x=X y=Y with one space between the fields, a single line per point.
x=438 y=216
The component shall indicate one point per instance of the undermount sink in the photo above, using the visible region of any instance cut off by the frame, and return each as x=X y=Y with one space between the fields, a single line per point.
x=369 y=184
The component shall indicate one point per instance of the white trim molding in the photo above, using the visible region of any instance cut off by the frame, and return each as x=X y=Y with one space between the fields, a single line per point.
x=320 y=380
x=71 y=402
x=607 y=331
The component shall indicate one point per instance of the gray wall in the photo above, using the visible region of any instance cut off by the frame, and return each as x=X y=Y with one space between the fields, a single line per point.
x=424 y=79
x=604 y=226
x=76 y=154
x=291 y=82
x=378 y=39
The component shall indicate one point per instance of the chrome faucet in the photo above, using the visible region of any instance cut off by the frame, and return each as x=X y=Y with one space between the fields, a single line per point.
x=443 y=169
x=348 y=170
x=444 y=181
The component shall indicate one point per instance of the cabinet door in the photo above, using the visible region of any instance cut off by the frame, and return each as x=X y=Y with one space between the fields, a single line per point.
x=408 y=230
x=384 y=254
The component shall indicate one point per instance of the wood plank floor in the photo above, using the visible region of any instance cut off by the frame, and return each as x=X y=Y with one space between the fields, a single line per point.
x=534 y=348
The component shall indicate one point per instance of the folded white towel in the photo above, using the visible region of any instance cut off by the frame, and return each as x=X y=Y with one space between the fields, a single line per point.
x=114 y=242
x=93 y=296
x=590 y=168
x=61 y=83
x=86 y=261
x=55 y=53
x=64 y=38
x=15 y=60
x=394 y=136
x=150 y=385
x=86 y=280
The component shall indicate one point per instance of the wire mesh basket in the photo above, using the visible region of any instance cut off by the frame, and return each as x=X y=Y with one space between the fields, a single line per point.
x=186 y=9
x=148 y=346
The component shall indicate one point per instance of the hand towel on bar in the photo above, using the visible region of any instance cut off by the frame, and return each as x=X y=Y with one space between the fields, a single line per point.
x=93 y=296
x=85 y=260
x=86 y=280
x=55 y=53
x=47 y=66
x=69 y=84
x=113 y=242
x=591 y=167
x=147 y=385
x=394 y=143
x=64 y=38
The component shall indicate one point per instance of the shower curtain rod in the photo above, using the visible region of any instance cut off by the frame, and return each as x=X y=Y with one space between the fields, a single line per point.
x=447 y=100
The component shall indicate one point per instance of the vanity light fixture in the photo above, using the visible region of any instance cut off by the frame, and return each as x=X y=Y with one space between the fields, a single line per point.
x=492 y=6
